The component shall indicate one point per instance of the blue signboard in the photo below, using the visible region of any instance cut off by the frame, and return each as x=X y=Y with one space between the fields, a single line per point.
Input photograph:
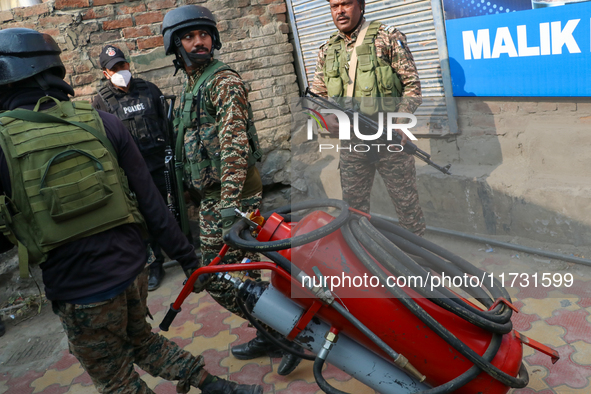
x=534 y=52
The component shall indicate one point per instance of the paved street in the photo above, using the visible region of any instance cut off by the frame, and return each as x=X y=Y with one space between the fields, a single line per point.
x=35 y=359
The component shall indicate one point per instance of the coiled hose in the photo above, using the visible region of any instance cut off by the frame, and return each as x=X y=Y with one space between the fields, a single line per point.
x=388 y=244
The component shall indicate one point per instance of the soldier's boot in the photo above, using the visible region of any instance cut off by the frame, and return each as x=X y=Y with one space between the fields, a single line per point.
x=258 y=347
x=2 y=328
x=222 y=386
x=156 y=275
x=289 y=361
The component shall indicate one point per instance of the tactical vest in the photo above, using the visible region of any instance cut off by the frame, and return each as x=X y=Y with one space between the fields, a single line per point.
x=374 y=77
x=198 y=133
x=137 y=112
x=66 y=181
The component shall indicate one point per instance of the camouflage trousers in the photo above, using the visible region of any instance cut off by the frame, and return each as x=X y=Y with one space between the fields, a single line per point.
x=210 y=223
x=109 y=337
x=399 y=174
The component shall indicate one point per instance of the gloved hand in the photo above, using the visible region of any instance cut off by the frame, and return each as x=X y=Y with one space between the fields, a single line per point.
x=201 y=282
x=228 y=219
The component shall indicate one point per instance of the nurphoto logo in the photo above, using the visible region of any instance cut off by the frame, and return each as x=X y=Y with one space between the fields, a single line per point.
x=345 y=129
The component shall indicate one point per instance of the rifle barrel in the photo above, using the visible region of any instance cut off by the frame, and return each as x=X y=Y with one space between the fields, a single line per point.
x=369 y=123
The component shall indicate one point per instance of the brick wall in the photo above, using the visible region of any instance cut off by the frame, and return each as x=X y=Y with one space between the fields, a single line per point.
x=255 y=41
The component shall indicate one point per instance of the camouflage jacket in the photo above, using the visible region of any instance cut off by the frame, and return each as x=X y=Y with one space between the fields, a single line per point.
x=224 y=139
x=391 y=47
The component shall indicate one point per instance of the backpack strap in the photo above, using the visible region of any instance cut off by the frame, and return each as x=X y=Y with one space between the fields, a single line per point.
x=197 y=93
x=184 y=122
x=353 y=62
x=6 y=206
x=141 y=84
x=109 y=98
x=372 y=32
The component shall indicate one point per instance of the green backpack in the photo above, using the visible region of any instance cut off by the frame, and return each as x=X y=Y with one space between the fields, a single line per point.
x=66 y=181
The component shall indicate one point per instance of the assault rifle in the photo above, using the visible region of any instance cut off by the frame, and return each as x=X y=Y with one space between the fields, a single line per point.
x=366 y=123
x=172 y=198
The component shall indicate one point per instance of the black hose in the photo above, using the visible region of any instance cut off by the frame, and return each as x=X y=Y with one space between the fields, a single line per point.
x=322 y=383
x=278 y=259
x=233 y=238
x=268 y=335
x=496 y=290
x=433 y=324
x=436 y=263
x=376 y=244
x=495 y=320
x=471 y=373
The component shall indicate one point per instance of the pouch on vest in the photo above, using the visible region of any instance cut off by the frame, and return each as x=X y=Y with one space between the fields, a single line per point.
x=332 y=72
x=139 y=115
x=365 y=81
x=76 y=198
x=374 y=77
x=202 y=146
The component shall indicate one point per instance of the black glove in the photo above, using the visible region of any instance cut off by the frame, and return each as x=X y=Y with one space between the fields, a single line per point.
x=228 y=219
x=201 y=282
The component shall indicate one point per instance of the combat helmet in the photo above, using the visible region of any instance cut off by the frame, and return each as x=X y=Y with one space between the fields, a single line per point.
x=179 y=20
x=25 y=53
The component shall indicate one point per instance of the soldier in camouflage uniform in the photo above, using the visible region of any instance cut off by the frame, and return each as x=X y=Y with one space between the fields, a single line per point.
x=391 y=52
x=84 y=219
x=218 y=144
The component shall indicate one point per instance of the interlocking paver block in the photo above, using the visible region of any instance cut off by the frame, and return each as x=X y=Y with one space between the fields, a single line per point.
x=219 y=342
x=303 y=372
x=214 y=324
x=184 y=331
x=576 y=323
x=537 y=374
x=582 y=289
x=53 y=376
x=213 y=360
x=569 y=390
x=545 y=307
x=205 y=307
x=565 y=371
x=234 y=321
x=65 y=361
x=582 y=355
x=252 y=374
x=234 y=365
x=299 y=387
x=546 y=334
x=522 y=321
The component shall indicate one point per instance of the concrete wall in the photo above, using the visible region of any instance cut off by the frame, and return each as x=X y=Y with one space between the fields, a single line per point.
x=520 y=168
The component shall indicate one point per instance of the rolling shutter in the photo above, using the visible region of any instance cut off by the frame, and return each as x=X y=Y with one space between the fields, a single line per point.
x=312 y=25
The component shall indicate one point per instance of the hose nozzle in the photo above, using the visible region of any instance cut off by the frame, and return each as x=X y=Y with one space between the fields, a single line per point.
x=403 y=363
x=251 y=219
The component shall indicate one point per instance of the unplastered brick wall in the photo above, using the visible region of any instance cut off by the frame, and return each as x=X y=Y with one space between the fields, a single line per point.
x=255 y=43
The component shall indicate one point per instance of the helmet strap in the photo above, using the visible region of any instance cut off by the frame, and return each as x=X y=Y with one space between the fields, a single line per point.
x=39 y=78
x=188 y=59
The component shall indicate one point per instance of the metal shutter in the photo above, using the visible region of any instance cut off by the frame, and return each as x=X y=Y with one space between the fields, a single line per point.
x=312 y=25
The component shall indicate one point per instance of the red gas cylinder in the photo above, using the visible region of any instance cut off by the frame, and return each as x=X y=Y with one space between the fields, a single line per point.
x=389 y=318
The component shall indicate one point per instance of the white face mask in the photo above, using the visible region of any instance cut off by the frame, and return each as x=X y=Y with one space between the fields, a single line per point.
x=121 y=78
